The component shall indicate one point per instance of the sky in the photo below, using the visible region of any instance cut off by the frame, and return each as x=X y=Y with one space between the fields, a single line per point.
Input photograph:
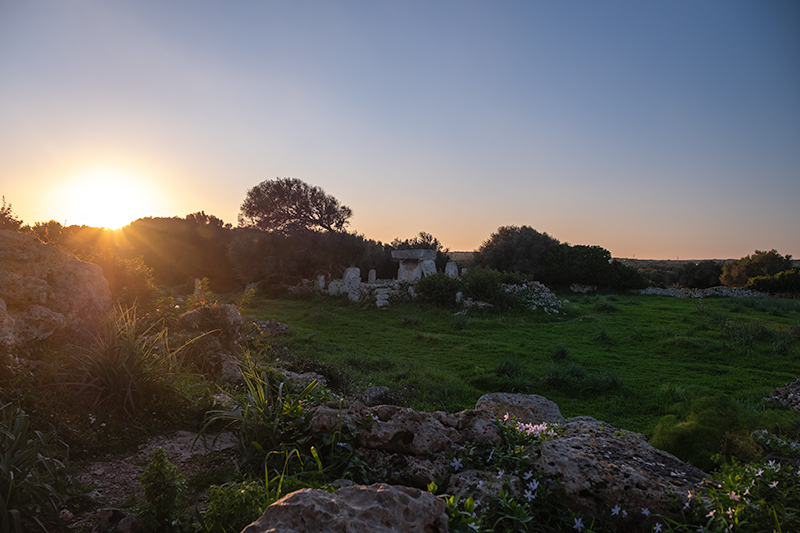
x=660 y=130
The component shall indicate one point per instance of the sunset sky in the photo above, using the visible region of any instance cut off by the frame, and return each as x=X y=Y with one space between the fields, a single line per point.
x=654 y=129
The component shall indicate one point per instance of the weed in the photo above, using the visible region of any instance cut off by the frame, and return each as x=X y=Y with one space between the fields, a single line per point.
x=460 y=322
x=604 y=306
x=412 y=320
x=559 y=352
x=602 y=335
x=163 y=486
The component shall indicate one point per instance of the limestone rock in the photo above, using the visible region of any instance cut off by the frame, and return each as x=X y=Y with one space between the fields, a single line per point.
x=451 y=269
x=372 y=276
x=336 y=287
x=414 y=255
x=36 y=323
x=409 y=271
x=428 y=267
x=601 y=466
x=35 y=277
x=526 y=408
x=378 y=508
x=788 y=395
x=351 y=278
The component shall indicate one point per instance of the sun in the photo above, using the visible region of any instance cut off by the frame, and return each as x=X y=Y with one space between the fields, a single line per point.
x=108 y=199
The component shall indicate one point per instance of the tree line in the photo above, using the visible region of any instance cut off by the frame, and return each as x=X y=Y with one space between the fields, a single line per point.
x=289 y=230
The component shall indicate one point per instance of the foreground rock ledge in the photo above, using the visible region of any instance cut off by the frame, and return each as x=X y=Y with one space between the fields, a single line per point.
x=378 y=508
x=599 y=467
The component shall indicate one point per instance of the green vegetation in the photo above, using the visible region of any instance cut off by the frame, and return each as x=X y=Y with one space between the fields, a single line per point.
x=636 y=345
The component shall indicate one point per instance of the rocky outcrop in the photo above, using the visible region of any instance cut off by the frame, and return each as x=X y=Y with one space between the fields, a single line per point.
x=598 y=467
x=601 y=466
x=378 y=508
x=45 y=290
x=415 y=444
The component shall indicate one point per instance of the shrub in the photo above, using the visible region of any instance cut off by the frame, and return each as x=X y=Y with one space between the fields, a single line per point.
x=234 y=505
x=163 y=486
x=786 y=281
x=485 y=285
x=438 y=289
x=714 y=425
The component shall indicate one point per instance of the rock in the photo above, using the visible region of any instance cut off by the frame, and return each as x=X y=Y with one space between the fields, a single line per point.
x=451 y=269
x=413 y=444
x=788 y=395
x=351 y=278
x=319 y=283
x=414 y=255
x=37 y=323
x=428 y=267
x=413 y=264
x=336 y=287
x=378 y=508
x=272 y=327
x=601 y=466
x=376 y=395
x=39 y=282
x=224 y=317
x=526 y=408
x=372 y=276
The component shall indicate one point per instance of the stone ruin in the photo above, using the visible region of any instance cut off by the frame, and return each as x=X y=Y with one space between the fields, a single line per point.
x=414 y=265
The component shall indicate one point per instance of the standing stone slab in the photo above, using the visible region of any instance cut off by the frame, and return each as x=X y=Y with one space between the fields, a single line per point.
x=451 y=269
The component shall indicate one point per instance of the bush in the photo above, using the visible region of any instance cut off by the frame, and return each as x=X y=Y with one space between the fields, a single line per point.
x=486 y=285
x=234 y=505
x=713 y=425
x=438 y=289
x=786 y=281
x=738 y=273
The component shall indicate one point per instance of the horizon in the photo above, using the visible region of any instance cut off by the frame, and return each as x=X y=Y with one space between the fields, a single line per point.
x=660 y=130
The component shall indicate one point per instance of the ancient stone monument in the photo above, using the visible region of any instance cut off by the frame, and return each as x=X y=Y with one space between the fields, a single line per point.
x=414 y=264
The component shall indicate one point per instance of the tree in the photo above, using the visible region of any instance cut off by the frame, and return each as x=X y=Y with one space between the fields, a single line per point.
x=286 y=205
x=737 y=273
x=8 y=220
x=515 y=249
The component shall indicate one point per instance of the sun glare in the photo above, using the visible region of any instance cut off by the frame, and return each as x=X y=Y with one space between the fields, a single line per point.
x=107 y=199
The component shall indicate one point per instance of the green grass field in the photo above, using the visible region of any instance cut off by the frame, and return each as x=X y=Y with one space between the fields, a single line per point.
x=621 y=359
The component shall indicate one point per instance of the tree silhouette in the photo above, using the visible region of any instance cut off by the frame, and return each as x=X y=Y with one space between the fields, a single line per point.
x=286 y=205
x=8 y=220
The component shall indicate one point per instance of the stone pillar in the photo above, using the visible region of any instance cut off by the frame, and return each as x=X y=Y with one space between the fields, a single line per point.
x=372 y=276
x=451 y=269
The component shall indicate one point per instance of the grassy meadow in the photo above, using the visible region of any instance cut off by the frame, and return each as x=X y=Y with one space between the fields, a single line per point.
x=623 y=359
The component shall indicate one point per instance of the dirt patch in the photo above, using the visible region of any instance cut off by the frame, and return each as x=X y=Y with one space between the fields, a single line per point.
x=113 y=481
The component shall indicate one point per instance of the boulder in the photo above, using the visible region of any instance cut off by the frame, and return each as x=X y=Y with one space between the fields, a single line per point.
x=451 y=269
x=526 y=408
x=46 y=289
x=601 y=466
x=378 y=508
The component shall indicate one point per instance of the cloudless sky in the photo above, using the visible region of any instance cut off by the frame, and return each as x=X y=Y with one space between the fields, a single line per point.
x=654 y=129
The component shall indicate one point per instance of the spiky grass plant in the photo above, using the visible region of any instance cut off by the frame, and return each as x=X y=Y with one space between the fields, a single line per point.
x=30 y=472
x=128 y=365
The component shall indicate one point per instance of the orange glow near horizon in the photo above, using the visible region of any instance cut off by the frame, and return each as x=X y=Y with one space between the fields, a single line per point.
x=106 y=199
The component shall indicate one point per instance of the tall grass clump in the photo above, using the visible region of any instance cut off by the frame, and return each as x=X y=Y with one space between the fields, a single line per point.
x=30 y=472
x=128 y=366
x=270 y=415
